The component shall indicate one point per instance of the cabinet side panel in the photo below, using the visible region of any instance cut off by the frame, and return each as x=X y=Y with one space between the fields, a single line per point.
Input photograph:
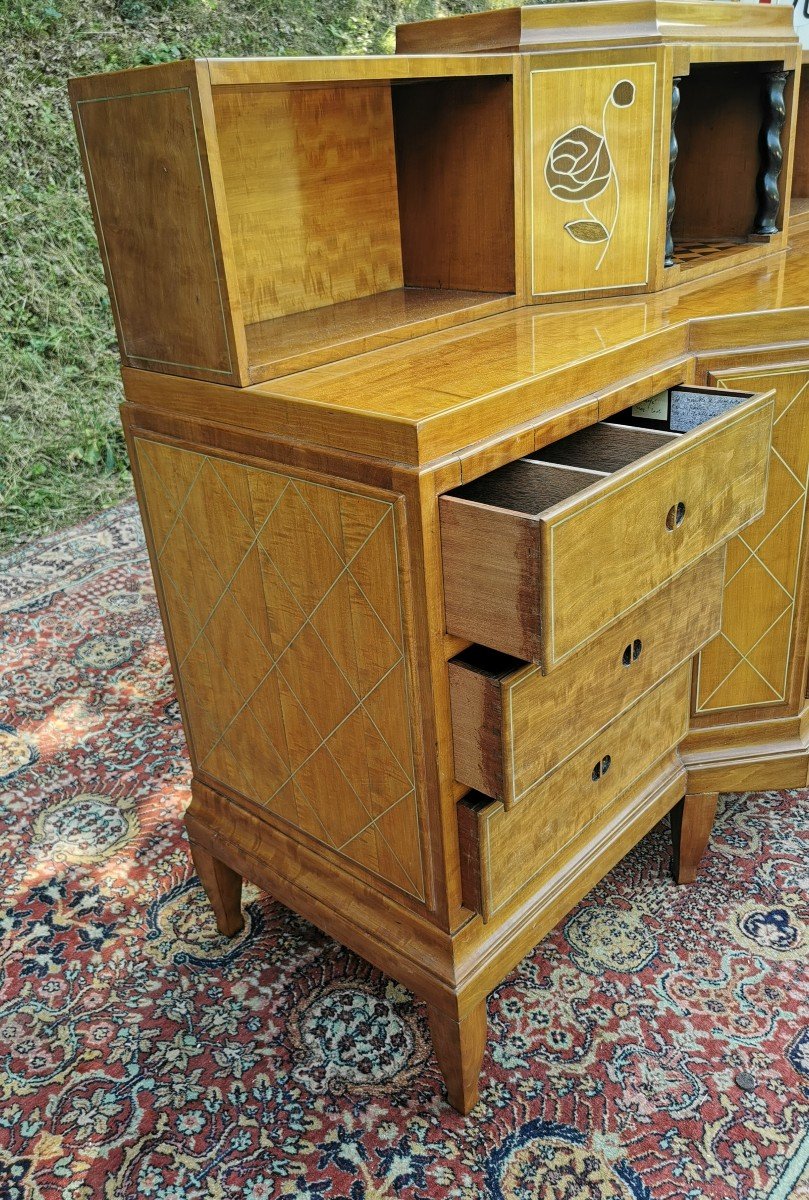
x=146 y=174
x=748 y=663
x=310 y=176
x=285 y=612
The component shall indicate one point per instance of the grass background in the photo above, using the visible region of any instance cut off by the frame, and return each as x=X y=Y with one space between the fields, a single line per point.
x=62 y=454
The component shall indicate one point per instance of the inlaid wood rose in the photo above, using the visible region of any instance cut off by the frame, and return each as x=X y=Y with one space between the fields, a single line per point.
x=579 y=169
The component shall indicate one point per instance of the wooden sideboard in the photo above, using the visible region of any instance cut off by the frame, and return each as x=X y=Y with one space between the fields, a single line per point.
x=463 y=592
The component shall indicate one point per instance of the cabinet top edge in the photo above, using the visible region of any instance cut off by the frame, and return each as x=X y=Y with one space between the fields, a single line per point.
x=600 y=21
x=326 y=69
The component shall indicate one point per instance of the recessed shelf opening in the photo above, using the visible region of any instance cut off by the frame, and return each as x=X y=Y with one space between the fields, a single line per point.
x=359 y=210
x=723 y=107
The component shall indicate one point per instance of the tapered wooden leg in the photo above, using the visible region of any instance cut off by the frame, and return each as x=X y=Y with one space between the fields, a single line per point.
x=459 y=1047
x=223 y=887
x=691 y=824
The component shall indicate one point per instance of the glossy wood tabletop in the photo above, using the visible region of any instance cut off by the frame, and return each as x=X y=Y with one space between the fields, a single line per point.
x=448 y=389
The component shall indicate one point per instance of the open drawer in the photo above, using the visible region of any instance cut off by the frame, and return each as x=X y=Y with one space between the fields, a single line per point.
x=506 y=731
x=543 y=553
x=503 y=851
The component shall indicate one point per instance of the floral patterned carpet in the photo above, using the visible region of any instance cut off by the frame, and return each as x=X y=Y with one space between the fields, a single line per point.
x=654 y=1047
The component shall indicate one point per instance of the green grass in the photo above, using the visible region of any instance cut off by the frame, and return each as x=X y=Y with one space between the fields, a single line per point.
x=62 y=455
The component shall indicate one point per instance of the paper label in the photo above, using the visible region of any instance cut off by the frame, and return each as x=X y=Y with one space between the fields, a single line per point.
x=656 y=408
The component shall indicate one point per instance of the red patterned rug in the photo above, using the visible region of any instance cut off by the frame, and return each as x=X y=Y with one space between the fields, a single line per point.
x=654 y=1047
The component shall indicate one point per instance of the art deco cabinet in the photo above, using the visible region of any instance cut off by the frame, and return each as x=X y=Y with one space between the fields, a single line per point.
x=466 y=395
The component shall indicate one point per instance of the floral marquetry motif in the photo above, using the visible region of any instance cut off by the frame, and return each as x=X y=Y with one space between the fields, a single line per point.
x=748 y=663
x=592 y=181
x=579 y=169
x=285 y=613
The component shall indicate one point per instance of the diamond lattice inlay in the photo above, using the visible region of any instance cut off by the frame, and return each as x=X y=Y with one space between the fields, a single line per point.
x=285 y=613
x=748 y=663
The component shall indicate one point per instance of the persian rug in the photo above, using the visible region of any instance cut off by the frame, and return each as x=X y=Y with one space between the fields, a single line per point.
x=654 y=1047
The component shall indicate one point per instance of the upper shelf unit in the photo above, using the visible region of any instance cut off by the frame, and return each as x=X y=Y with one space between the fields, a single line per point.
x=260 y=216
x=658 y=135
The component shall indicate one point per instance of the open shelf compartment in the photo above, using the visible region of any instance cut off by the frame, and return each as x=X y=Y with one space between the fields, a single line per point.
x=723 y=110
x=260 y=216
x=359 y=211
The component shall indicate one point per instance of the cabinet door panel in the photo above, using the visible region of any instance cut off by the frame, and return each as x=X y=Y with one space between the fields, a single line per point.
x=595 y=140
x=749 y=663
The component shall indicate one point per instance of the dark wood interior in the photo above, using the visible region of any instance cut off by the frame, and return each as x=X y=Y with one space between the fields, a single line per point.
x=454 y=163
x=717 y=128
x=604 y=447
x=528 y=487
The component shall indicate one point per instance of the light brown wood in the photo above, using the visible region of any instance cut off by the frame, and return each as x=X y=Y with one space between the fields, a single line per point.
x=404 y=943
x=487 y=952
x=455 y=388
x=749 y=663
x=605 y=231
x=691 y=824
x=627 y=23
x=717 y=473
x=523 y=544
x=459 y=1045
x=153 y=196
x=309 y=641
x=514 y=846
x=349 y=69
x=310 y=176
x=598 y=234
x=307 y=339
x=223 y=887
x=800 y=178
x=507 y=735
x=231 y=199
x=284 y=602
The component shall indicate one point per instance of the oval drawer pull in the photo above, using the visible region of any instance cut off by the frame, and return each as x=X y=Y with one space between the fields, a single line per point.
x=632 y=652
x=601 y=768
x=675 y=515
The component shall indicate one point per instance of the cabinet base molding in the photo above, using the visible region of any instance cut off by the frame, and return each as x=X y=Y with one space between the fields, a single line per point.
x=761 y=756
x=400 y=942
x=452 y=973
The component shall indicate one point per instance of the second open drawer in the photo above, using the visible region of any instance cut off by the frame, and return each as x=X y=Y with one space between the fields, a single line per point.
x=543 y=553
x=506 y=728
x=503 y=851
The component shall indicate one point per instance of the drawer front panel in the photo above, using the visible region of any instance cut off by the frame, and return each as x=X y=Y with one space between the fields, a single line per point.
x=542 y=554
x=507 y=730
x=601 y=553
x=514 y=846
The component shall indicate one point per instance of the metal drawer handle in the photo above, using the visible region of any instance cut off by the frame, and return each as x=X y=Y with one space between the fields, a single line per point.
x=601 y=768
x=675 y=515
x=632 y=652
